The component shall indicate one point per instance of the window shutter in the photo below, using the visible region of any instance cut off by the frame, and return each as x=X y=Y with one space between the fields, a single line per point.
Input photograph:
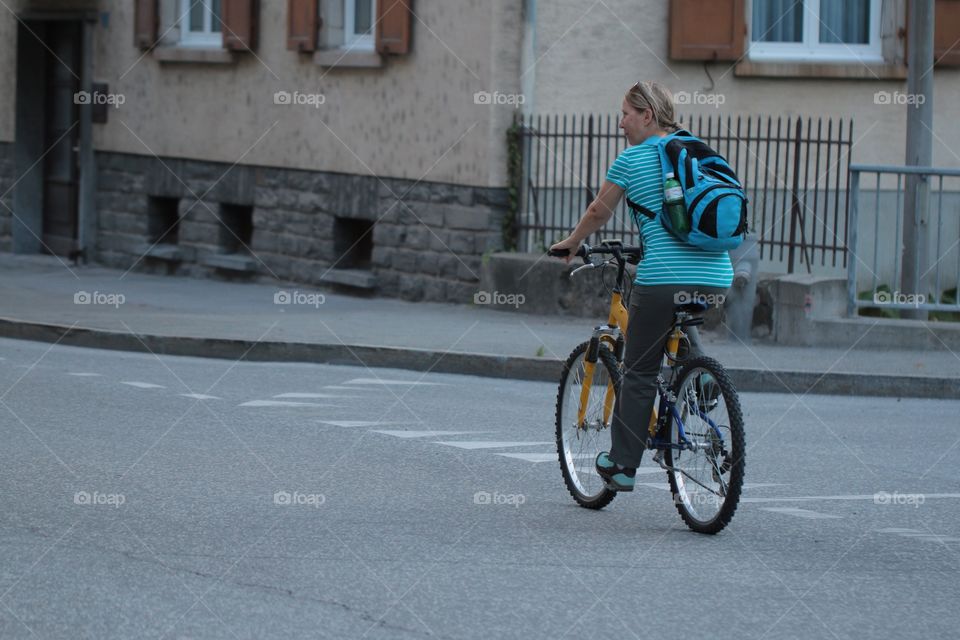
x=302 y=25
x=145 y=23
x=239 y=24
x=394 y=20
x=707 y=29
x=946 y=33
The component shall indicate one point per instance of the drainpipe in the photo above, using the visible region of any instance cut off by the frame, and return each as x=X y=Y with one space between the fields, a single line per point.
x=528 y=55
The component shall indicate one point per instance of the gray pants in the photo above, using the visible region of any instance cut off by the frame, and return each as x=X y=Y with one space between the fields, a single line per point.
x=651 y=318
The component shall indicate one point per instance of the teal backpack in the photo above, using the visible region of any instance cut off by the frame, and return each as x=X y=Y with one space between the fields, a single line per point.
x=715 y=201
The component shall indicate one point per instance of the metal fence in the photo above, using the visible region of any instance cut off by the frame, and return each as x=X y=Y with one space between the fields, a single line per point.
x=878 y=246
x=794 y=170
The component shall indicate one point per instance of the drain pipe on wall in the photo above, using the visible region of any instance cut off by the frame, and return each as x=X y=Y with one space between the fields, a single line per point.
x=528 y=56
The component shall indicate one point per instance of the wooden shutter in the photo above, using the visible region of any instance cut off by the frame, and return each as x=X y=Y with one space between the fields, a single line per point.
x=239 y=24
x=145 y=23
x=946 y=33
x=302 y=25
x=707 y=29
x=394 y=21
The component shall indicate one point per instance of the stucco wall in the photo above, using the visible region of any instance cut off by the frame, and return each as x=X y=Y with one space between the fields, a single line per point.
x=415 y=118
x=590 y=53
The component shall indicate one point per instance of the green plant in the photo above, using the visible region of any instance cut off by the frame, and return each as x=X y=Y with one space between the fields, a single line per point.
x=541 y=351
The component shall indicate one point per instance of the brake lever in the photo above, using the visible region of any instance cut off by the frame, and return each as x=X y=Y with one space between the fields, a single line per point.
x=589 y=265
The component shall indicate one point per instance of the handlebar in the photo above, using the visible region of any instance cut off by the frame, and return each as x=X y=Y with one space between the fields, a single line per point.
x=629 y=254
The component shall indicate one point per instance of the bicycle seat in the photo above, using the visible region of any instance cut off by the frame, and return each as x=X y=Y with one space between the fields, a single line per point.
x=690 y=307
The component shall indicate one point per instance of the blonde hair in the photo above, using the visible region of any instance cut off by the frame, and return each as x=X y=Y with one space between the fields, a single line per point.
x=657 y=98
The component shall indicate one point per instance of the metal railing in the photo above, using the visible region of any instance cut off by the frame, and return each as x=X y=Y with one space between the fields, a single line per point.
x=878 y=244
x=794 y=171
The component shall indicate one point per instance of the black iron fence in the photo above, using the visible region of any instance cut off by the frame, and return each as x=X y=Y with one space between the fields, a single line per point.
x=794 y=170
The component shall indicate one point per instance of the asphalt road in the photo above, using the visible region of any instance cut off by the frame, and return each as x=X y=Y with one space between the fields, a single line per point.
x=288 y=501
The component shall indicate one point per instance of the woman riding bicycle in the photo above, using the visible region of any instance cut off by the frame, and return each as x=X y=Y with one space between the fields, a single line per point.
x=670 y=271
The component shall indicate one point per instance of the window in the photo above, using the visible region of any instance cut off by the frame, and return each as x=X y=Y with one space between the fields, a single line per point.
x=200 y=22
x=815 y=30
x=358 y=17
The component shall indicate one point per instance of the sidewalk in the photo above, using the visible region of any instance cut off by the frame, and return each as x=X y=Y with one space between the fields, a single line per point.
x=208 y=318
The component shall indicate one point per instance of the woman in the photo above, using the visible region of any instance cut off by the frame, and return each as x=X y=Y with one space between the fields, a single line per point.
x=669 y=268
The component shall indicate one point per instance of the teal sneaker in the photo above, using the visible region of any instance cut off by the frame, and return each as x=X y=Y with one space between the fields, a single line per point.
x=617 y=478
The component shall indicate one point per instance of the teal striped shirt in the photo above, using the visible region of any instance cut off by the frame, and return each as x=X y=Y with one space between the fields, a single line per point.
x=666 y=260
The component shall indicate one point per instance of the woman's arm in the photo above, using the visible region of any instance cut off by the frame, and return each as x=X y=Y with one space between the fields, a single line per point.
x=595 y=217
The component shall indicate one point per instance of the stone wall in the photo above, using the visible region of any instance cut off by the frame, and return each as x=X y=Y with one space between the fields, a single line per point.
x=7 y=178
x=428 y=238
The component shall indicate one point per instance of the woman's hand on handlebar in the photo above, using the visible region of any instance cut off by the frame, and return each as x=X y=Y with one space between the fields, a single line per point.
x=569 y=245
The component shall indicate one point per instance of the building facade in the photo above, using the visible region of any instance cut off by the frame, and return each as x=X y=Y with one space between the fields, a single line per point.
x=330 y=141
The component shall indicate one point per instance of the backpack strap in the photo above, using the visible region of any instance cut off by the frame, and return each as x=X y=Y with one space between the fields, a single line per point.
x=639 y=208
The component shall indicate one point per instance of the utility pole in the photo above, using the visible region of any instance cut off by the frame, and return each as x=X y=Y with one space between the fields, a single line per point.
x=916 y=253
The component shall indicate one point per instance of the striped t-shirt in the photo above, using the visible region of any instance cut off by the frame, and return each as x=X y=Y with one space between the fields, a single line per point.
x=666 y=260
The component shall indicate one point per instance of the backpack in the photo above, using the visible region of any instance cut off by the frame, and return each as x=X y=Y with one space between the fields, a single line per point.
x=715 y=201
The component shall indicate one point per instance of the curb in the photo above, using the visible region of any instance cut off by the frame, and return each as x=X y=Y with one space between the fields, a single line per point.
x=477 y=364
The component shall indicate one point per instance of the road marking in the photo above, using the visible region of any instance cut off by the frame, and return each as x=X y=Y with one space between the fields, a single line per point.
x=490 y=444
x=533 y=457
x=200 y=396
x=284 y=403
x=655 y=485
x=307 y=396
x=143 y=385
x=871 y=497
x=410 y=382
x=802 y=513
x=922 y=535
x=421 y=434
x=84 y=374
x=354 y=423
x=336 y=388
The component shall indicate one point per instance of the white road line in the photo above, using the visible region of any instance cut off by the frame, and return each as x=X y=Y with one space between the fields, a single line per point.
x=355 y=423
x=84 y=374
x=655 y=485
x=200 y=396
x=922 y=535
x=489 y=444
x=802 y=513
x=336 y=388
x=143 y=385
x=532 y=457
x=409 y=382
x=421 y=434
x=284 y=403
x=870 y=497
x=307 y=396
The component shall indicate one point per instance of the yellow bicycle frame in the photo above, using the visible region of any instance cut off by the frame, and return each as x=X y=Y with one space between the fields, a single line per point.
x=617 y=318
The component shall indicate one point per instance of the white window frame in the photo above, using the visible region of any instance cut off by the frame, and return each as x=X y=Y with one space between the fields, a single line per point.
x=208 y=39
x=352 y=40
x=811 y=49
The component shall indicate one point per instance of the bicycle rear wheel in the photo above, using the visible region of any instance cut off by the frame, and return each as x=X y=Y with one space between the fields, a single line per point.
x=579 y=444
x=706 y=461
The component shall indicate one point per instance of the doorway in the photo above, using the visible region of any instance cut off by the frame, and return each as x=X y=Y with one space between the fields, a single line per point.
x=47 y=200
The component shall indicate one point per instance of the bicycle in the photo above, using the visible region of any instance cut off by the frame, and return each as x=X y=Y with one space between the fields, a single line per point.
x=696 y=427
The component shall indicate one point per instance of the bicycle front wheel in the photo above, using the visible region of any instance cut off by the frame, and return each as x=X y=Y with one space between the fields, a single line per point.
x=579 y=443
x=706 y=453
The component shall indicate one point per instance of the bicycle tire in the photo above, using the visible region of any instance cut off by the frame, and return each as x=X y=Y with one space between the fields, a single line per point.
x=572 y=477
x=734 y=463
